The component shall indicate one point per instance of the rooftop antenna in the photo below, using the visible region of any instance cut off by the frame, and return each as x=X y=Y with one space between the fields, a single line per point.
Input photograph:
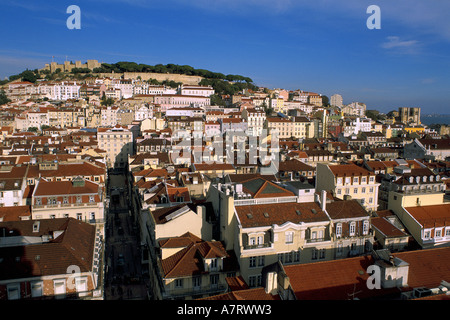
x=352 y=295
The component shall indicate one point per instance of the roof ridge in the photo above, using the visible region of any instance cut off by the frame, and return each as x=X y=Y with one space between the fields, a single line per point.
x=177 y=258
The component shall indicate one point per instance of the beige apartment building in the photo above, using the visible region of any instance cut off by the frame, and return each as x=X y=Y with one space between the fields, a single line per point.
x=255 y=121
x=349 y=181
x=426 y=216
x=315 y=99
x=264 y=223
x=118 y=144
x=38 y=259
x=297 y=127
x=79 y=199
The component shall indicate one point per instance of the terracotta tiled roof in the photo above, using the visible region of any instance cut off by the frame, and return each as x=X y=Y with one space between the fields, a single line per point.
x=431 y=216
x=262 y=188
x=50 y=188
x=338 y=279
x=189 y=261
x=348 y=170
x=342 y=209
x=73 y=247
x=180 y=242
x=255 y=294
x=279 y=213
x=14 y=213
x=213 y=166
x=387 y=228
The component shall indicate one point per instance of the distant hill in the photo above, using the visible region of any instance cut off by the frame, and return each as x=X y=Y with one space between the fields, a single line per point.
x=223 y=84
x=125 y=66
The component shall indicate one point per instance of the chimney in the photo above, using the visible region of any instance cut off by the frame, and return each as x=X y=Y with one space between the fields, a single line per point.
x=323 y=200
x=394 y=271
x=272 y=283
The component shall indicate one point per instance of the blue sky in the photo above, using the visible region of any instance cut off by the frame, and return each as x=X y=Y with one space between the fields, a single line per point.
x=322 y=46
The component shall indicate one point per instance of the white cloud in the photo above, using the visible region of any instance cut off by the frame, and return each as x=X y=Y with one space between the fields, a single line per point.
x=396 y=45
x=395 y=42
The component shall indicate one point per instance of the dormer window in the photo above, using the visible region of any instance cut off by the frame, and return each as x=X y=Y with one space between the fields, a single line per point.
x=214 y=264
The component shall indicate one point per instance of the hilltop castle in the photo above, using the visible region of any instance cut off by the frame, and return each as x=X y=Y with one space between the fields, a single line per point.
x=68 y=65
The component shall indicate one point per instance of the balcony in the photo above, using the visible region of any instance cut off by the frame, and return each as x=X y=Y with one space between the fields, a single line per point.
x=66 y=205
x=245 y=202
x=316 y=240
x=258 y=246
x=193 y=291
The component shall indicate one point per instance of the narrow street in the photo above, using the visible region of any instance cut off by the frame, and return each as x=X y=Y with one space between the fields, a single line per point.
x=123 y=278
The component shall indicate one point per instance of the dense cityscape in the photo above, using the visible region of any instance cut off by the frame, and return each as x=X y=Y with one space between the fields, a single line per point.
x=127 y=181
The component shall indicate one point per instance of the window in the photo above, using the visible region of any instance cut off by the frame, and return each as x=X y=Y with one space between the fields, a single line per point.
x=91 y=198
x=261 y=261
x=36 y=289
x=363 y=179
x=197 y=282
x=340 y=249
x=280 y=257
x=355 y=190
x=79 y=216
x=318 y=254
x=81 y=284
x=352 y=228
x=289 y=237
x=366 y=227
x=447 y=232
x=339 y=191
x=252 y=262
x=338 y=229
x=214 y=280
x=214 y=264
x=252 y=281
x=363 y=190
x=59 y=287
x=426 y=234
x=438 y=233
x=178 y=283
x=13 y=291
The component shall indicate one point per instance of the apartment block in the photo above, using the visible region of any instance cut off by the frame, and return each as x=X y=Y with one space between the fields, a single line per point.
x=349 y=181
x=118 y=144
